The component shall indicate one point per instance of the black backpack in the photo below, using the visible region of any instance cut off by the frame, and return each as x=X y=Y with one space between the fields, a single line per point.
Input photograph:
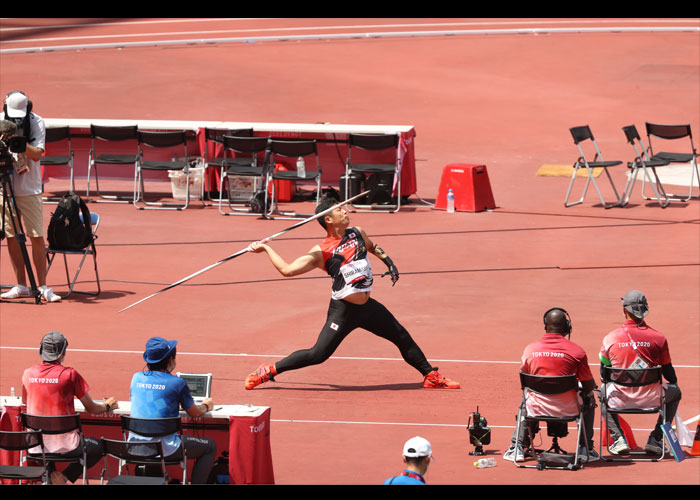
x=66 y=230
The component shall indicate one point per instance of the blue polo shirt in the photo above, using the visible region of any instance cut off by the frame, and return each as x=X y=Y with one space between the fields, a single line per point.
x=407 y=477
x=156 y=394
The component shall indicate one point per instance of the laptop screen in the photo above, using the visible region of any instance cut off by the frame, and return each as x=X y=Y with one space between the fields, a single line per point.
x=198 y=383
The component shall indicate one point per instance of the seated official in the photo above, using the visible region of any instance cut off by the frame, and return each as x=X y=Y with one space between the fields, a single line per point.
x=157 y=393
x=555 y=355
x=48 y=389
x=636 y=344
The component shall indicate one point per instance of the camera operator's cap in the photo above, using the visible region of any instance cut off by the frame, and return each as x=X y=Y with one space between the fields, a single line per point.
x=16 y=105
x=53 y=345
x=157 y=349
x=635 y=303
x=417 y=447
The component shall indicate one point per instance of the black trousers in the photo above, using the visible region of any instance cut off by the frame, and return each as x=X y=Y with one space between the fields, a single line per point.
x=344 y=317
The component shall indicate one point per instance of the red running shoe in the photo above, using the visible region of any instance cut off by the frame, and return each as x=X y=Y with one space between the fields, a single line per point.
x=434 y=380
x=264 y=373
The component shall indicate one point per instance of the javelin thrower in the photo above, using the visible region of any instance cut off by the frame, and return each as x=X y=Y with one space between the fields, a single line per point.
x=344 y=255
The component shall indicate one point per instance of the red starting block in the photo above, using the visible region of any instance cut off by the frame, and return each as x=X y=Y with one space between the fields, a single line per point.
x=470 y=185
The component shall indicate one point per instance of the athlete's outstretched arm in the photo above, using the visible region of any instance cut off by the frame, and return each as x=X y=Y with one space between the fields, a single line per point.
x=375 y=249
x=301 y=265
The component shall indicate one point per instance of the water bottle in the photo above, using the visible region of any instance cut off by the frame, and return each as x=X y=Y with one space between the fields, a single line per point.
x=301 y=167
x=483 y=463
x=450 y=202
x=12 y=392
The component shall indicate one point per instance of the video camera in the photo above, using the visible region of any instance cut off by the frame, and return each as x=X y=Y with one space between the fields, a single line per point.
x=15 y=144
x=479 y=433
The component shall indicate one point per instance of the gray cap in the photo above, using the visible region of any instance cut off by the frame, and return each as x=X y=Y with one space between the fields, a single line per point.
x=53 y=345
x=635 y=303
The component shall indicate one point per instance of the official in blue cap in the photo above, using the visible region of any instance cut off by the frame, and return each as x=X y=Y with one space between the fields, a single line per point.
x=157 y=393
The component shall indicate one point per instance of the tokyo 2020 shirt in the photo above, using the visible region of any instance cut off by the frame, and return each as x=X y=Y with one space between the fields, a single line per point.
x=50 y=389
x=618 y=351
x=156 y=394
x=554 y=355
x=347 y=262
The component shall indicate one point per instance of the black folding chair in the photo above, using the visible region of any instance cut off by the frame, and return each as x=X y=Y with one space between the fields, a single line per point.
x=56 y=136
x=90 y=249
x=156 y=428
x=306 y=150
x=690 y=155
x=108 y=144
x=242 y=164
x=381 y=173
x=171 y=141
x=580 y=135
x=135 y=453
x=23 y=442
x=550 y=385
x=214 y=155
x=618 y=379
x=54 y=425
x=648 y=167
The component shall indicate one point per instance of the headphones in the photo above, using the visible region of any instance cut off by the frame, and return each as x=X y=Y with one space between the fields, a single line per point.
x=567 y=325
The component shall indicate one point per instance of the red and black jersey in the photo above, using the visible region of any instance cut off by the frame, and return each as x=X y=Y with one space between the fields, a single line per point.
x=346 y=261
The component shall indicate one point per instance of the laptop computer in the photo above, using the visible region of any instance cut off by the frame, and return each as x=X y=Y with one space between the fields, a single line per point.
x=199 y=385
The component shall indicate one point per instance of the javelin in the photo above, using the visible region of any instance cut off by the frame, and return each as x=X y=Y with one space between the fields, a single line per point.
x=245 y=250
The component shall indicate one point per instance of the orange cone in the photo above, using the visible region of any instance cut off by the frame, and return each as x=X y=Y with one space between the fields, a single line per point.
x=696 y=442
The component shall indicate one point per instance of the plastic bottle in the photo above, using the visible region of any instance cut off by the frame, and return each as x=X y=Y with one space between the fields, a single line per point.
x=483 y=463
x=12 y=392
x=301 y=167
x=450 y=202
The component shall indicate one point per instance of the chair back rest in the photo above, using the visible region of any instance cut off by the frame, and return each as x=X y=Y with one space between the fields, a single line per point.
x=373 y=142
x=58 y=424
x=249 y=145
x=162 y=139
x=217 y=134
x=116 y=133
x=631 y=133
x=549 y=385
x=668 y=131
x=632 y=378
x=292 y=149
x=55 y=134
x=132 y=450
x=18 y=441
x=581 y=134
x=152 y=427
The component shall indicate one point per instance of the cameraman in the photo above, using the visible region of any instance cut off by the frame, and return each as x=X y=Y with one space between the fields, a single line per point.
x=27 y=187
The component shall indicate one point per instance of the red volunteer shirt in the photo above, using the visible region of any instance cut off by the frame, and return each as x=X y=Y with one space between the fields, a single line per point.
x=50 y=389
x=554 y=355
x=618 y=351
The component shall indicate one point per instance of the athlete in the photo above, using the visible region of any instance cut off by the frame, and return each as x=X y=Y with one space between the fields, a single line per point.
x=344 y=255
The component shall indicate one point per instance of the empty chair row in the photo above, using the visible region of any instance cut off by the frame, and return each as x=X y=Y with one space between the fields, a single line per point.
x=239 y=159
x=646 y=159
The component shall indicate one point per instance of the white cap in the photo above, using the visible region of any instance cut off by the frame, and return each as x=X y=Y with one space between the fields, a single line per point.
x=16 y=104
x=417 y=447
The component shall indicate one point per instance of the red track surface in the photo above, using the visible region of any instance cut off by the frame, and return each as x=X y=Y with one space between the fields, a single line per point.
x=473 y=286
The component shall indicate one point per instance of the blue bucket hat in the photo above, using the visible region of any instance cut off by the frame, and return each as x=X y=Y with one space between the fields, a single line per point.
x=157 y=349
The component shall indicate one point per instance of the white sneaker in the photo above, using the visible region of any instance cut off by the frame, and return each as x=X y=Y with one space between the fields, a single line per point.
x=511 y=455
x=619 y=446
x=16 y=292
x=48 y=295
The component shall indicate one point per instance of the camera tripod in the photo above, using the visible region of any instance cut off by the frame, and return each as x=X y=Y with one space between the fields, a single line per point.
x=10 y=207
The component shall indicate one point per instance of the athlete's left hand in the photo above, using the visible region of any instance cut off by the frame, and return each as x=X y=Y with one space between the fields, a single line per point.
x=394 y=274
